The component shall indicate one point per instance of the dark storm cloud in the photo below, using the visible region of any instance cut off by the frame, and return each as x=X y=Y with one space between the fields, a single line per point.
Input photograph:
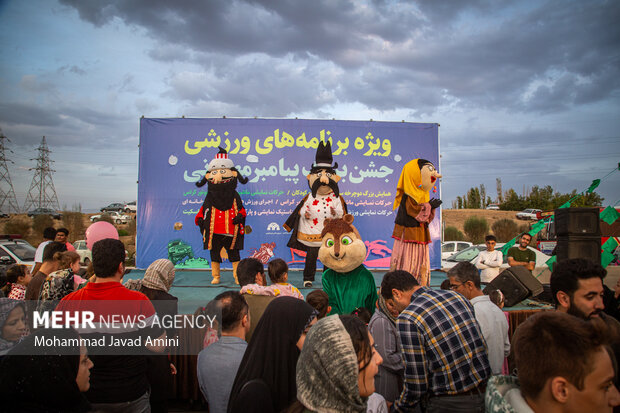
x=541 y=58
x=15 y=113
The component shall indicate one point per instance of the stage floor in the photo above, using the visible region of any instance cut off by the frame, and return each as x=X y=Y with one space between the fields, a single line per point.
x=193 y=288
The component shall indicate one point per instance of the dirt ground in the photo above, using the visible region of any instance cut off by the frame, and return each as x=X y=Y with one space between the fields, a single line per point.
x=457 y=217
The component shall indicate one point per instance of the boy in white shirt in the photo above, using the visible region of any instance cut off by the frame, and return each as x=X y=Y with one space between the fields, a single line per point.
x=489 y=261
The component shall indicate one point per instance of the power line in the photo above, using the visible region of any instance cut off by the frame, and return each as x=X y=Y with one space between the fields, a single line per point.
x=7 y=196
x=42 y=193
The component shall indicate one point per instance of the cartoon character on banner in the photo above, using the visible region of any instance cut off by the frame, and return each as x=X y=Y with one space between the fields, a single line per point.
x=415 y=212
x=347 y=282
x=324 y=202
x=221 y=218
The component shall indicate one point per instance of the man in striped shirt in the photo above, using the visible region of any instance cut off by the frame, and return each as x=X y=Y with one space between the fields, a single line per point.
x=445 y=356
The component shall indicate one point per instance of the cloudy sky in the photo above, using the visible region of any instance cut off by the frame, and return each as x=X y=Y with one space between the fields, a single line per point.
x=527 y=91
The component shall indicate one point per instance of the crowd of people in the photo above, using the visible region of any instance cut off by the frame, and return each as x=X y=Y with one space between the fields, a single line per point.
x=423 y=349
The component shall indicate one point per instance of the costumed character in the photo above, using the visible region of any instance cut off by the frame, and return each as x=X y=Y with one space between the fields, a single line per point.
x=221 y=218
x=347 y=282
x=415 y=212
x=325 y=201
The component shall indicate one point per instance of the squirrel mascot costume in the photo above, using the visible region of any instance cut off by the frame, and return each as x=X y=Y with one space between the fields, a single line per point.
x=221 y=218
x=347 y=282
x=324 y=202
x=415 y=212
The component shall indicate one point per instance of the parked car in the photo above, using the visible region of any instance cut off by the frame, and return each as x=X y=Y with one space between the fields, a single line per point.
x=493 y=207
x=116 y=217
x=45 y=211
x=86 y=256
x=470 y=254
x=130 y=207
x=16 y=251
x=528 y=214
x=4 y=215
x=450 y=247
x=113 y=207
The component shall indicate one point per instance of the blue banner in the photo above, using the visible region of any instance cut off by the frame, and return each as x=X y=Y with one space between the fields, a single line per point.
x=276 y=156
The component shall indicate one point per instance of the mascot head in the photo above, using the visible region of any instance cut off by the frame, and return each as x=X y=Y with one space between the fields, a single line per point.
x=221 y=173
x=322 y=178
x=416 y=179
x=342 y=248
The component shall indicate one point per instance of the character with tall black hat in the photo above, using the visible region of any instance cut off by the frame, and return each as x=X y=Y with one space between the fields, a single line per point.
x=323 y=202
x=221 y=218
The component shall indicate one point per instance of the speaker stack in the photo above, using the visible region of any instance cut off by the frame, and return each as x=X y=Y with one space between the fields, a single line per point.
x=516 y=283
x=578 y=233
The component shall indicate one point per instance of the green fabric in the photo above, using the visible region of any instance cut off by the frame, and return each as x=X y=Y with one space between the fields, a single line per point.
x=347 y=291
x=606 y=258
x=610 y=245
x=508 y=245
x=522 y=256
x=537 y=227
x=550 y=262
x=593 y=186
x=609 y=215
x=565 y=205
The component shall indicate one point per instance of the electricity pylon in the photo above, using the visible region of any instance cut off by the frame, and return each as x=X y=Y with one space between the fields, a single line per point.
x=42 y=193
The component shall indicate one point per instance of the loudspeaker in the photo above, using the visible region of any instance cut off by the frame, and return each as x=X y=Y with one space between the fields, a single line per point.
x=577 y=246
x=516 y=283
x=577 y=221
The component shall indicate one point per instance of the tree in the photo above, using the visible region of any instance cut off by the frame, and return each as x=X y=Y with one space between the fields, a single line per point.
x=483 y=196
x=476 y=228
x=500 y=194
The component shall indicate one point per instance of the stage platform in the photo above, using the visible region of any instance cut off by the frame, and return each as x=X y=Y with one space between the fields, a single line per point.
x=193 y=288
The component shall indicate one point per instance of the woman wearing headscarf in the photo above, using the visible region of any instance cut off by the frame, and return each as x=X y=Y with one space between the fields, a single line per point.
x=156 y=283
x=12 y=323
x=415 y=212
x=265 y=380
x=336 y=368
x=45 y=378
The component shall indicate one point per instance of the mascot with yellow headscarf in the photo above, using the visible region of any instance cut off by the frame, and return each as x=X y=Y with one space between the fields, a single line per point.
x=415 y=212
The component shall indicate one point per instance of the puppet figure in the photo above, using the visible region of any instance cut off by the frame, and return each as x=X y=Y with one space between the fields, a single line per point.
x=325 y=201
x=221 y=218
x=347 y=282
x=415 y=212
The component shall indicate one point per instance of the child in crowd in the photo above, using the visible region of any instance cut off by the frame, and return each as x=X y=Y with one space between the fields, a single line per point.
x=497 y=298
x=363 y=314
x=319 y=300
x=62 y=282
x=278 y=274
x=18 y=277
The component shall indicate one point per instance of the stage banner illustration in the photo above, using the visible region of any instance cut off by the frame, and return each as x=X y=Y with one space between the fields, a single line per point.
x=275 y=155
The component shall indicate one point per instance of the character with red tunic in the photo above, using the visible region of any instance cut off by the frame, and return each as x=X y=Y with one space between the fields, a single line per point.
x=221 y=218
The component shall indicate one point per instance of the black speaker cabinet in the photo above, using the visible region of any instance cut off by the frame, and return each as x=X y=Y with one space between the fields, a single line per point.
x=576 y=246
x=577 y=221
x=516 y=283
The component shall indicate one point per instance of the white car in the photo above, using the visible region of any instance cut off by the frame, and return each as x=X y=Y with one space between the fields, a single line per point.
x=472 y=252
x=130 y=207
x=450 y=247
x=16 y=251
x=117 y=218
x=528 y=214
x=86 y=256
x=493 y=207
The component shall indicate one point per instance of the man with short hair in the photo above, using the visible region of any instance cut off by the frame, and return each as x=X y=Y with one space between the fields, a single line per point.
x=522 y=256
x=224 y=356
x=563 y=364
x=251 y=273
x=49 y=235
x=62 y=235
x=118 y=380
x=48 y=266
x=464 y=279
x=446 y=362
x=577 y=289
x=489 y=261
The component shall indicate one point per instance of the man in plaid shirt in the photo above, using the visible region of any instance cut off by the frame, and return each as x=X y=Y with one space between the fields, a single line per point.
x=445 y=356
